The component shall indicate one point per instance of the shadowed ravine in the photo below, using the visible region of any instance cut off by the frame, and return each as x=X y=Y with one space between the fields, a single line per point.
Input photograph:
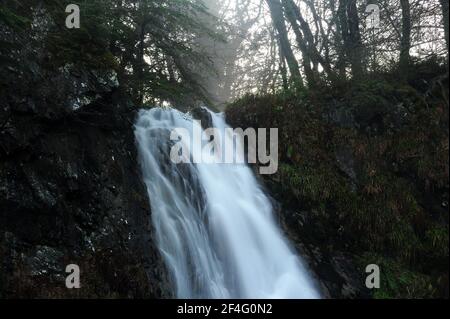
x=214 y=224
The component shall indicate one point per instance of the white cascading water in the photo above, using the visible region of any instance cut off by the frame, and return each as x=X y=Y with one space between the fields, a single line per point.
x=214 y=225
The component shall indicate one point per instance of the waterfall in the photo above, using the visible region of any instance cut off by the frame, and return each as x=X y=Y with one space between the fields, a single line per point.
x=214 y=225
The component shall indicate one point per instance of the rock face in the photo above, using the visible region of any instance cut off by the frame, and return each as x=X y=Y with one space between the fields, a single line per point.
x=202 y=115
x=354 y=184
x=71 y=193
x=334 y=271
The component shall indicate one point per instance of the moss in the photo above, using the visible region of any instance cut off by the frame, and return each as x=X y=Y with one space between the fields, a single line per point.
x=396 y=281
x=13 y=20
x=307 y=182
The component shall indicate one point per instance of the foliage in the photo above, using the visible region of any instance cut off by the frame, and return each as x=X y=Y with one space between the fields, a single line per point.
x=398 y=281
x=150 y=44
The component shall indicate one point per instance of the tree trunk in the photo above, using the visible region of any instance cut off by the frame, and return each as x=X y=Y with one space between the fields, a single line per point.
x=303 y=45
x=283 y=72
x=405 y=45
x=340 y=46
x=276 y=12
x=309 y=46
x=349 y=20
x=140 y=66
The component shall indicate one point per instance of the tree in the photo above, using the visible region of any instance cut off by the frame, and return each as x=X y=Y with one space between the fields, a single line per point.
x=306 y=42
x=155 y=43
x=405 y=43
x=349 y=23
x=276 y=11
x=311 y=77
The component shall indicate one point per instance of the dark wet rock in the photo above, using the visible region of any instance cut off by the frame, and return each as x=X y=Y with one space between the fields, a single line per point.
x=346 y=164
x=203 y=115
x=335 y=273
x=314 y=231
x=341 y=116
x=71 y=193
x=44 y=260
